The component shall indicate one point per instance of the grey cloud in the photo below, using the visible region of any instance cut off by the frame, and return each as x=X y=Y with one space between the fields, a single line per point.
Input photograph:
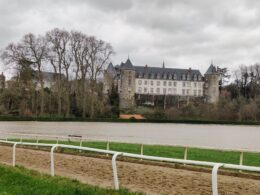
x=184 y=33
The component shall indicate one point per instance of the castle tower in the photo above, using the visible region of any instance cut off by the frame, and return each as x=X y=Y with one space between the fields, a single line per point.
x=109 y=76
x=127 y=85
x=212 y=84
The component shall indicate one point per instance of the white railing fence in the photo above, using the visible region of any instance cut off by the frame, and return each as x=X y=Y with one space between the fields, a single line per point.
x=80 y=140
x=115 y=154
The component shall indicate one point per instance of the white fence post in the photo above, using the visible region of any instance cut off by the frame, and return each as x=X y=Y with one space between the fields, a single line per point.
x=57 y=142
x=14 y=153
x=241 y=158
x=142 y=149
x=108 y=146
x=21 y=139
x=80 y=143
x=185 y=153
x=116 y=183
x=215 y=178
x=52 y=159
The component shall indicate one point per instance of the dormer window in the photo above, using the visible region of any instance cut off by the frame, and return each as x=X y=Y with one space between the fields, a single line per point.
x=188 y=77
x=158 y=76
x=195 y=78
x=165 y=76
x=152 y=76
x=183 y=77
x=170 y=76
x=175 y=76
x=199 y=78
x=140 y=75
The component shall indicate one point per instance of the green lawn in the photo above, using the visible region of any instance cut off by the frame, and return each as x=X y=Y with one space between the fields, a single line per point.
x=251 y=159
x=20 y=181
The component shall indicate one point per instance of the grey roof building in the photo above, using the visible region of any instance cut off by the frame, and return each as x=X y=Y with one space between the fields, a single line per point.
x=157 y=81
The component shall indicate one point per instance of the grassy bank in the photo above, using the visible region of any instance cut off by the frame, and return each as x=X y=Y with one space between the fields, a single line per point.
x=251 y=159
x=23 y=182
x=78 y=119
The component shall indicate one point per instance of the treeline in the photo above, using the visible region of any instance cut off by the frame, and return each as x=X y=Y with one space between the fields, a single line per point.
x=77 y=61
x=238 y=101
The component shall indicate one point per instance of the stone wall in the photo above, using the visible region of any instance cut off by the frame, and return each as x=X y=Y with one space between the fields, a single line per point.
x=127 y=89
x=212 y=88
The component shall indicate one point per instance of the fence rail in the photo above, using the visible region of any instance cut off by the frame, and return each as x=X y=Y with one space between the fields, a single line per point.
x=215 y=166
x=81 y=139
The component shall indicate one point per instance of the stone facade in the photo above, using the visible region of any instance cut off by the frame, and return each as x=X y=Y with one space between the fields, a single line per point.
x=132 y=80
x=211 y=89
x=126 y=85
x=127 y=89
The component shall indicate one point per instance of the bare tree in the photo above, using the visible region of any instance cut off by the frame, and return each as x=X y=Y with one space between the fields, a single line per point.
x=60 y=59
x=99 y=53
x=79 y=49
x=29 y=53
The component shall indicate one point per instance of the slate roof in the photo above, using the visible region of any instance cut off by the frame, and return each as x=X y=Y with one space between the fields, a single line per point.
x=157 y=72
x=127 y=65
x=168 y=73
x=111 y=69
x=212 y=70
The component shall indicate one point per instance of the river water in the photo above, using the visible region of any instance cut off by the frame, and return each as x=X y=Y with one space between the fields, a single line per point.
x=217 y=136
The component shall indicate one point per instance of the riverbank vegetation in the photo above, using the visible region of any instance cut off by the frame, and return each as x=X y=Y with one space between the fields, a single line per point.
x=211 y=155
x=58 y=76
x=23 y=182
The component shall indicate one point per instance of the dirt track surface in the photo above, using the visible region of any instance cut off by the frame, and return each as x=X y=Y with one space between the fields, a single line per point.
x=151 y=179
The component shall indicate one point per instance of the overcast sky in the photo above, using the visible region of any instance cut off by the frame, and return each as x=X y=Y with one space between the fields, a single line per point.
x=183 y=33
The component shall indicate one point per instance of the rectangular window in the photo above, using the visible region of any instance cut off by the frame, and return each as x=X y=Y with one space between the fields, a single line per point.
x=195 y=84
x=164 y=90
x=145 y=82
x=140 y=82
x=174 y=91
x=183 y=92
x=195 y=92
x=170 y=83
x=151 y=90
x=164 y=83
x=188 y=92
x=158 y=83
x=151 y=82
x=145 y=90
x=174 y=84
x=170 y=90
x=199 y=92
x=183 y=84
x=139 y=89
x=158 y=90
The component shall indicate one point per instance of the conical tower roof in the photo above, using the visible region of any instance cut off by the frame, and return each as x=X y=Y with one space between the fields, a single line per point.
x=111 y=68
x=127 y=65
x=212 y=70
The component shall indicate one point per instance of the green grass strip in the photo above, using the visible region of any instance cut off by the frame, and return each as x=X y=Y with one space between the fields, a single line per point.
x=250 y=159
x=21 y=181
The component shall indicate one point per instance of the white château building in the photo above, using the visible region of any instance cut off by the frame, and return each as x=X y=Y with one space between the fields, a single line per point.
x=129 y=80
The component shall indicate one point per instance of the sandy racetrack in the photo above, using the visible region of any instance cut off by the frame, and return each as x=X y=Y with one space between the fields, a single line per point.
x=151 y=179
